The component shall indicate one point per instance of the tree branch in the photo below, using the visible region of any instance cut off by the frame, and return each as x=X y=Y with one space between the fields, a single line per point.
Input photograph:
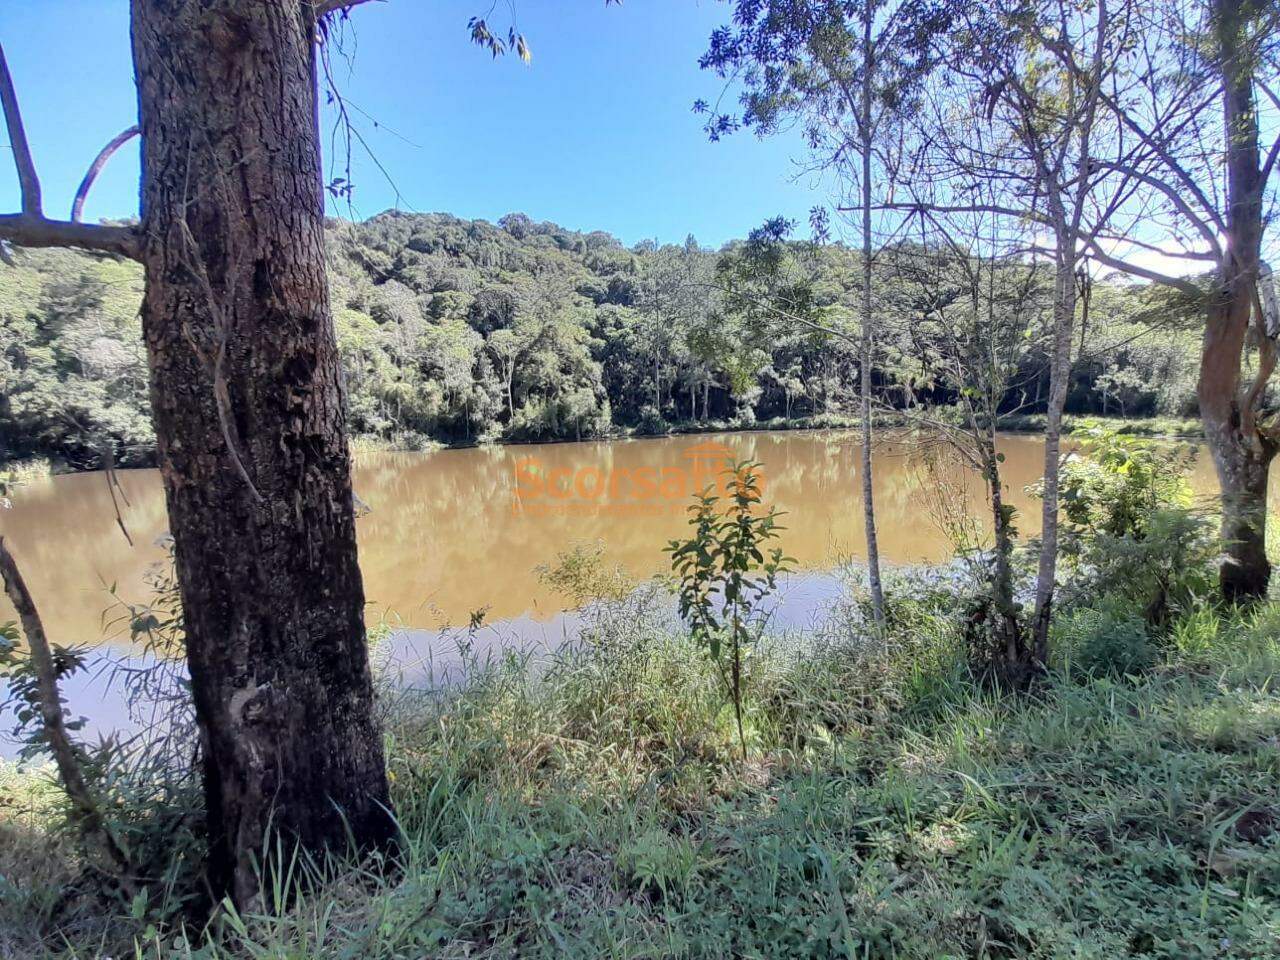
x=1175 y=198
x=25 y=230
x=1116 y=263
x=28 y=182
x=82 y=191
x=31 y=228
x=919 y=207
x=323 y=8
x=65 y=754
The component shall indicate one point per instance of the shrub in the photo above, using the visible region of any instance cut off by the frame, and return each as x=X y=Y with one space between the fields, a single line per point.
x=724 y=574
x=651 y=422
x=1110 y=639
x=1129 y=528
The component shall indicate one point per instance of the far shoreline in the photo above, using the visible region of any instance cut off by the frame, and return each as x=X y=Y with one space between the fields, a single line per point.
x=1155 y=428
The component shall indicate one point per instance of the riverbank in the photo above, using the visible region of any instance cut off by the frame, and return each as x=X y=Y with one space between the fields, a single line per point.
x=363 y=445
x=890 y=807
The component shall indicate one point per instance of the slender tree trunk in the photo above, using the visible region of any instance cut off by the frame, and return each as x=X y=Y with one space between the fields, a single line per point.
x=1064 y=311
x=1242 y=455
x=67 y=758
x=868 y=500
x=1007 y=632
x=249 y=415
x=657 y=385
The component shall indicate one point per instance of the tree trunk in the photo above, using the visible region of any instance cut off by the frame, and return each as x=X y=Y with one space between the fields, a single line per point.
x=1010 y=644
x=1241 y=456
x=868 y=500
x=1241 y=453
x=248 y=408
x=1064 y=312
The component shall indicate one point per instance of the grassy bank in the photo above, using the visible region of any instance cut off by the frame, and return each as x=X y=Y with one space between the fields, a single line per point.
x=596 y=807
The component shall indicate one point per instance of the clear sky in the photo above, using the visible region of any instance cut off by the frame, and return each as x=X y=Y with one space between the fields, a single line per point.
x=597 y=133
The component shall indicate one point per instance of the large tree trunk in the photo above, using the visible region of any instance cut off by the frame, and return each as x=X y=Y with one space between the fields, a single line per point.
x=1242 y=470
x=248 y=408
x=1241 y=454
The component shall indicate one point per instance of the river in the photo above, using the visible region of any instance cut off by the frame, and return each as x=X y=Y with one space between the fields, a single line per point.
x=456 y=532
x=456 y=536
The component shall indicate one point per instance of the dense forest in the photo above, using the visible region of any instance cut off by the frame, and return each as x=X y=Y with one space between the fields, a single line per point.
x=457 y=331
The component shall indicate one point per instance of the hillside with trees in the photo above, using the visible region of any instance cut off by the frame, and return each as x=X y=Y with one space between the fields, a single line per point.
x=455 y=331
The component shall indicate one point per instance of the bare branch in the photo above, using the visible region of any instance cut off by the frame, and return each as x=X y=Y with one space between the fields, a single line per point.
x=82 y=191
x=28 y=182
x=1134 y=270
x=1269 y=164
x=1175 y=198
x=65 y=754
x=25 y=230
x=918 y=207
x=31 y=228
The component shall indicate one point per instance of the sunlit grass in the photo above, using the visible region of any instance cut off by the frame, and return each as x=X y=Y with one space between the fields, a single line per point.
x=595 y=805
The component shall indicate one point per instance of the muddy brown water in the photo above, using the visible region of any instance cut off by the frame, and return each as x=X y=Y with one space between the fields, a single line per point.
x=453 y=532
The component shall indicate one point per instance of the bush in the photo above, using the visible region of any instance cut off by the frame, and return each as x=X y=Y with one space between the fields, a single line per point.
x=651 y=422
x=1129 y=529
x=1110 y=639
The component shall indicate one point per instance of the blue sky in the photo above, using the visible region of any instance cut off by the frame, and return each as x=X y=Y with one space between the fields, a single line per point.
x=597 y=133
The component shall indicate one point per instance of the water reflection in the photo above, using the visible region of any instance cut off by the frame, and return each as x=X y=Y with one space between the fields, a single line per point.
x=446 y=535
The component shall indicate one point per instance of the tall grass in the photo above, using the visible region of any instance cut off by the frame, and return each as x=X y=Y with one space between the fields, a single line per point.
x=592 y=802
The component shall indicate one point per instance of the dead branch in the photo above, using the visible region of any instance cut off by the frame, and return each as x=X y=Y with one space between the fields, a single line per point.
x=113 y=483
x=23 y=230
x=31 y=228
x=28 y=182
x=82 y=191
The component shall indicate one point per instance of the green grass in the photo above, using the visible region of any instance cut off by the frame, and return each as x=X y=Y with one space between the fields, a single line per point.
x=593 y=806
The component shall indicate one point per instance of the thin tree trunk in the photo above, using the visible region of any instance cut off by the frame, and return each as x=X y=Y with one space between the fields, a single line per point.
x=1064 y=310
x=249 y=414
x=66 y=756
x=868 y=500
x=1241 y=456
x=1007 y=631
x=657 y=385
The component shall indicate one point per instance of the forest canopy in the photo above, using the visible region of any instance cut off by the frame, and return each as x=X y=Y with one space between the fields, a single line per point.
x=458 y=331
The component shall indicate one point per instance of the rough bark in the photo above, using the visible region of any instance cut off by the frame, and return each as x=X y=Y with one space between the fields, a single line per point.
x=248 y=409
x=1241 y=453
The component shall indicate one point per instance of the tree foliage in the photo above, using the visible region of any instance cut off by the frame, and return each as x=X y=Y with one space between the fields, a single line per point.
x=457 y=331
